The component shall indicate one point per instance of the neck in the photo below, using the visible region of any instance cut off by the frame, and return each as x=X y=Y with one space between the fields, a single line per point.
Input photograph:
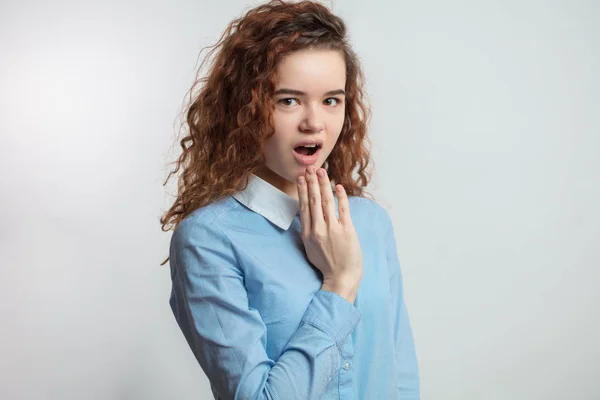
x=279 y=182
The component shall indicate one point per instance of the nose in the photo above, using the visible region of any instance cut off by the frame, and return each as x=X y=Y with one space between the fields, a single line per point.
x=312 y=120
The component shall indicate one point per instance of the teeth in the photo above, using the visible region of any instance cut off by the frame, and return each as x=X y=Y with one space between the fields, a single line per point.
x=310 y=145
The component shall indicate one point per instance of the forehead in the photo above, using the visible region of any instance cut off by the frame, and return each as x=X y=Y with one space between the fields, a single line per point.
x=312 y=70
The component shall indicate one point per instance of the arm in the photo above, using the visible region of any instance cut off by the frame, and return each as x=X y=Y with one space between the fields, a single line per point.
x=228 y=338
x=406 y=358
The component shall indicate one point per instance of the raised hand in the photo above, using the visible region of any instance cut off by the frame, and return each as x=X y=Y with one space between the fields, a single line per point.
x=331 y=244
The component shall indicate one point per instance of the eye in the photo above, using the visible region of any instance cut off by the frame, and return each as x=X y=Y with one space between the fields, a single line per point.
x=287 y=100
x=337 y=101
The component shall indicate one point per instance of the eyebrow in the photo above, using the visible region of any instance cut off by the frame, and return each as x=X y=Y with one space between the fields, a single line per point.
x=301 y=93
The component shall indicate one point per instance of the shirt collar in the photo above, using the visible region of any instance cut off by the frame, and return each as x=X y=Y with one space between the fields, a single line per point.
x=268 y=201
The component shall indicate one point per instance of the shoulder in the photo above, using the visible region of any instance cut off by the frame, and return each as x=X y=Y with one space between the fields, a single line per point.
x=370 y=213
x=203 y=225
x=364 y=205
x=199 y=243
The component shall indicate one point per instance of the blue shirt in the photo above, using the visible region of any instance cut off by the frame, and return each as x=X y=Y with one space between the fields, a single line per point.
x=251 y=307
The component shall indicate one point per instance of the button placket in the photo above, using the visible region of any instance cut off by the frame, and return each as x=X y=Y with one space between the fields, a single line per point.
x=347 y=365
x=346 y=391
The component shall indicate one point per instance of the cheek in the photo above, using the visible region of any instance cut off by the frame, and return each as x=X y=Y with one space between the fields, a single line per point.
x=283 y=122
x=275 y=144
x=335 y=123
x=285 y=128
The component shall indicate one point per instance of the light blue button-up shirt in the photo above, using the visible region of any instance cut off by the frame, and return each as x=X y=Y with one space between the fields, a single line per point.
x=251 y=307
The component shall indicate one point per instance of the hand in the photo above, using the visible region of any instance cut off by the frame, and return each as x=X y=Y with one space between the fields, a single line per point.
x=331 y=244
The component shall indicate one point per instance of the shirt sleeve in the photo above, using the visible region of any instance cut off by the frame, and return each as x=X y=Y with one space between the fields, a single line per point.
x=228 y=338
x=406 y=358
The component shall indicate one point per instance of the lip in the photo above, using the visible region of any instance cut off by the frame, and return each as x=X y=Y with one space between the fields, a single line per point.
x=318 y=142
x=307 y=160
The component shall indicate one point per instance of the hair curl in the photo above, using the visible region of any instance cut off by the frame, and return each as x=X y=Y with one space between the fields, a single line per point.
x=229 y=119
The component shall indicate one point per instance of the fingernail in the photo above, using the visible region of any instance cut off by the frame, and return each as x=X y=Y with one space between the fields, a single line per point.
x=321 y=173
x=300 y=180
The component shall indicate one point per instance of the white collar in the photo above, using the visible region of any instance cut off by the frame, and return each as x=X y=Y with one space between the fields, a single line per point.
x=265 y=199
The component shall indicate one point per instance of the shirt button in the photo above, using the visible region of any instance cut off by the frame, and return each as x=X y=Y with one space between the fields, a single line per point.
x=347 y=365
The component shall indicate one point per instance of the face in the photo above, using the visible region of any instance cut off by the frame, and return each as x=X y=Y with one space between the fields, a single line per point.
x=309 y=105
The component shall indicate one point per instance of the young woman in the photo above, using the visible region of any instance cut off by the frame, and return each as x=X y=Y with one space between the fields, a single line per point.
x=286 y=281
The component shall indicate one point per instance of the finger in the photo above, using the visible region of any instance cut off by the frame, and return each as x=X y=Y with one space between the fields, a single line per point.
x=343 y=206
x=303 y=204
x=314 y=199
x=328 y=202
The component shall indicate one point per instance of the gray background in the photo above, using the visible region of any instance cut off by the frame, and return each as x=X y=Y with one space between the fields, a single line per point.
x=486 y=141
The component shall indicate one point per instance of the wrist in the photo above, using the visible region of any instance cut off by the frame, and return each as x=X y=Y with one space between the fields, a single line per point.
x=346 y=291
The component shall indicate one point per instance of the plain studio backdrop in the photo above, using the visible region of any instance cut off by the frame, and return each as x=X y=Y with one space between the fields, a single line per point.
x=486 y=142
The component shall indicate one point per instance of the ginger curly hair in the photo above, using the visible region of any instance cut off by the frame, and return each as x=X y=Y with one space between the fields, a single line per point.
x=229 y=118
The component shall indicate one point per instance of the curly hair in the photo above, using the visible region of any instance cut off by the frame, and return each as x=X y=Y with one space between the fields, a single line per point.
x=230 y=117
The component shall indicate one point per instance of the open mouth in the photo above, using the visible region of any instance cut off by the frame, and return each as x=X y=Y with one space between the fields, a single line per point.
x=307 y=150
